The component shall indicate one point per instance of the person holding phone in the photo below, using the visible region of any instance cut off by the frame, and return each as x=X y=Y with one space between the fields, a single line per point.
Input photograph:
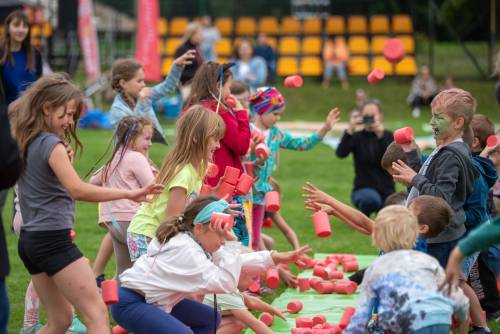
x=367 y=139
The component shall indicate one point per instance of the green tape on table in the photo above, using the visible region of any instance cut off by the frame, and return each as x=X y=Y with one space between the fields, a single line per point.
x=330 y=305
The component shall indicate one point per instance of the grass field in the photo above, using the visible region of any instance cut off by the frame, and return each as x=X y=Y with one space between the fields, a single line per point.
x=319 y=166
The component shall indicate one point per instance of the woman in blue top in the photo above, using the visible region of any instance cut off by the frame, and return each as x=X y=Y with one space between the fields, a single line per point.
x=20 y=62
x=248 y=68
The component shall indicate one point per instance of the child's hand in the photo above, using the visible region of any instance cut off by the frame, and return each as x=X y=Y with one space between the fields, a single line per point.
x=186 y=58
x=222 y=231
x=453 y=272
x=69 y=150
x=289 y=278
x=145 y=93
x=291 y=256
x=140 y=195
x=238 y=105
x=314 y=194
x=404 y=174
x=313 y=206
x=332 y=118
x=276 y=312
x=488 y=149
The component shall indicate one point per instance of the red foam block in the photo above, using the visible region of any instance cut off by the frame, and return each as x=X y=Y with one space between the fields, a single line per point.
x=262 y=151
x=345 y=287
x=346 y=317
x=109 y=291
x=267 y=318
x=231 y=175
x=272 y=200
x=205 y=189
x=293 y=81
x=294 y=306
x=244 y=185
x=375 y=76
x=119 y=330
x=254 y=287
x=319 y=319
x=304 y=284
x=272 y=278
x=492 y=141
x=325 y=287
x=225 y=190
x=322 y=224
x=403 y=135
x=350 y=266
x=268 y=223
x=212 y=170
x=227 y=220
x=303 y=322
x=394 y=50
x=249 y=168
x=230 y=102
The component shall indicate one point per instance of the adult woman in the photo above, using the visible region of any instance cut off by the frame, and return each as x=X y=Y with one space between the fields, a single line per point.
x=335 y=57
x=249 y=68
x=20 y=62
x=191 y=41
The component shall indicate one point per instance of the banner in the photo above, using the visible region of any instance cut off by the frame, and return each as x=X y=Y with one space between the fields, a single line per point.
x=147 y=38
x=88 y=39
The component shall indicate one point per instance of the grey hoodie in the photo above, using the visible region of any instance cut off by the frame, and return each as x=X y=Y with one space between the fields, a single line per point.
x=450 y=175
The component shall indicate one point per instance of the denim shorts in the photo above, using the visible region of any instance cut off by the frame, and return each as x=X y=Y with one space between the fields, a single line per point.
x=137 y=245
x=467 y=264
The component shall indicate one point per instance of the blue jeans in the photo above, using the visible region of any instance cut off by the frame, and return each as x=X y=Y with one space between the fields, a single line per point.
x=340 y=68
x=441 y=251
x=188 y=316
x=4 y=307
x=367 y=200
x=434 y=329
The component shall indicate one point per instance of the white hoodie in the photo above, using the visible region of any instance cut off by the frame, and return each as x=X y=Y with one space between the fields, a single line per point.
x=180 y=268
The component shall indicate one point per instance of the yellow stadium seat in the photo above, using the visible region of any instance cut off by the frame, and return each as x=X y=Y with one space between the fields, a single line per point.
x=407 y=66
x=382 y=63
x=222 y=60
x=408 y=43
x=46 y=29
x=311 y=66
x=356 y=24
x=162 y=26
x=289 y=46
x=165 y=66
x=246 y=26
x=379 y=24
x=268 y=25
x=311 y=26
x=290 y=25
x=377 y=44
x=401 y=24
x=273 y=42
x=358 y=44
x=178 y=26
x=171 y=45
x=36 y=31
x=335 y=25
x=223 y=47
x=311 y=45
x=287 y=66
x=224 y=25
x=359 y=66
x=36 y=41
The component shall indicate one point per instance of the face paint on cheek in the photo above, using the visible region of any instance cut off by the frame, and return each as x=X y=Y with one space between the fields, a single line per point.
x=439 y=125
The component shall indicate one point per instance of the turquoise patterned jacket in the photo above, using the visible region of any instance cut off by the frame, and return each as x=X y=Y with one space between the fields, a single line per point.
x=277 y=139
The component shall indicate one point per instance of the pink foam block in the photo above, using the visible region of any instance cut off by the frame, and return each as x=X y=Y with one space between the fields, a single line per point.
x=325 y=287
x=322 y=224
x=394 y=50
x=227 y=220
x=72 y=234
x=303 y=322
x=225 y=191
x=268 y=222
x=267 y=318
x=375 y=76
x=320 y=271
x=319 y=319
x=346 y=317
x=348 y=258
x=492 y=141
x=293 y=81
x=294 y=306
x=109 y=291
x=304 y=284
x=249 y=168
x=119 y=330
x=272 y=278
x=262 y=151
x=313 y=282
x=302 y=331
x=257 y=136
x=231 y=175
x=205 y=189
x=334 y=274
x=231 y=103
x=212 y=170
x=345 y=287
x=350 y=266
x=272 y=200
x=244 y=184
x=254 y=287
x=403 y=135
x=320 y=262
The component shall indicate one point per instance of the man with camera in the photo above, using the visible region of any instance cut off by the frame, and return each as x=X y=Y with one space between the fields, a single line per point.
x=367 y=139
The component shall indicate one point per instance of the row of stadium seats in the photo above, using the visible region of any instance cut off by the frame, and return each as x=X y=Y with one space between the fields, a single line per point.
x=310 y=45
x=249 y=26
x=313 y=66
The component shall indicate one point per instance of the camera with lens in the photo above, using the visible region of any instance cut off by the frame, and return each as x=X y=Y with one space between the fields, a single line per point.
x=368 y=119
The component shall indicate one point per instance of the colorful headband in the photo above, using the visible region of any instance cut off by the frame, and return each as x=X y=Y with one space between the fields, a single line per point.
x=266 y=100
x=204 y=216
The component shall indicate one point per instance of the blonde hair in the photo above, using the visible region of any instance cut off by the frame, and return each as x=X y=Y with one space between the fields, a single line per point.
x=124 y=69
x=53 y=90
x=190 y=31
x=194 y=129
x=395 y=228
x=456 y=103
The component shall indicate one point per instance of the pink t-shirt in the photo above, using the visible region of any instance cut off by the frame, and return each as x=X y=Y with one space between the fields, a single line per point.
x=134 y=171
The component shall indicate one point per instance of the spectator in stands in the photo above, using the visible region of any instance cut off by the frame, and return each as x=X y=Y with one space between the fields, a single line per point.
x=265 y=50
x=210 y=36
x=423 y=90
x=191 y=41
x=249 y=68
x=361 y=99
x=335 y=57
x=447 y=84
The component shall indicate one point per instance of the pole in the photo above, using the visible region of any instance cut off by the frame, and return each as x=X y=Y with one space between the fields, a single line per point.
x=431 y=35
x=491 y=44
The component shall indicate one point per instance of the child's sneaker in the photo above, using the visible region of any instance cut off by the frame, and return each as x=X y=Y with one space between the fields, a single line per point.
x=415 y=112
x=77 y=327
x=480 y=330
x=32 y=330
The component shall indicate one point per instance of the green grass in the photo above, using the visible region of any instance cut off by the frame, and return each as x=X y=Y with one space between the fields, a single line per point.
x=319 y=166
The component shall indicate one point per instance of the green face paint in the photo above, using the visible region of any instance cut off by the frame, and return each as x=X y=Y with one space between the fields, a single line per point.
x=439 y=124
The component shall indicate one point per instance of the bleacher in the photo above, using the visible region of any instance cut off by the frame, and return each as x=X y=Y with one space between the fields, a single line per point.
x=299 y=42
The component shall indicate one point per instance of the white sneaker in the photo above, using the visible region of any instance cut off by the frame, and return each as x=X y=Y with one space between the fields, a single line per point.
x=415 y=112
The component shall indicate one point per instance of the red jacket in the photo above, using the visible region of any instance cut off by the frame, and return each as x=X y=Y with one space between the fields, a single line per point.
x=236 y=140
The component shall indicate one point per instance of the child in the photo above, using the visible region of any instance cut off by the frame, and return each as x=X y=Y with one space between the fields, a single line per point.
x=134 y=98
x=241 y=91
x=268 y=104
x=49 y=111
x=211 y=88
x=128 y=168
x=186 y=259
x=236 y=308
x=403 y=284
x=198 y=133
